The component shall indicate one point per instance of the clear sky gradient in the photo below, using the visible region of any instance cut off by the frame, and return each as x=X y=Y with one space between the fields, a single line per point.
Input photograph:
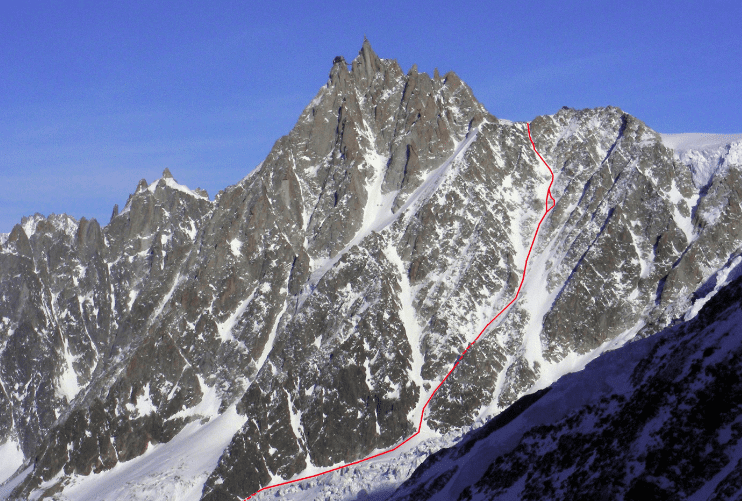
x=97 y=95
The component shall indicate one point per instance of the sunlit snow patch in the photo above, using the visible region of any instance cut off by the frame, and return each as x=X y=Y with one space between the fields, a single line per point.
x=173 y=471
x=11 y=459
x=144 y=405
x=235 y=245
x=67 y=384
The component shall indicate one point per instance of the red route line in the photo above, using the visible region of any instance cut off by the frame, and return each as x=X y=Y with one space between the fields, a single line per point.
x=419 y=428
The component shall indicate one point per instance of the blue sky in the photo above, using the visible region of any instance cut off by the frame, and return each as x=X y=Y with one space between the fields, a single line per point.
x=95 y=97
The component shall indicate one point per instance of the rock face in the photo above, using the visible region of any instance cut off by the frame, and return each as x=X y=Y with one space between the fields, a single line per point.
x=658 y=419
x=325 y=295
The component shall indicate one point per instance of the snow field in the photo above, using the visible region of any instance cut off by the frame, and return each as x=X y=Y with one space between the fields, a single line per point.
x=174 y=471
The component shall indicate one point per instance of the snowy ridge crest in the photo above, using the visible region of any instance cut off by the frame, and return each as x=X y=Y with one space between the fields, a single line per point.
x=706 y=154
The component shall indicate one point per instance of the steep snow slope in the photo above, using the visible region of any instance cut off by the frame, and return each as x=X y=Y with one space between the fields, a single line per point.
x=175 y=470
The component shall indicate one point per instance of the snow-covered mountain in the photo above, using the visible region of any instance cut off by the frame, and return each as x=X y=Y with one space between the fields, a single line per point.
x=657 y=419
x=196 y=348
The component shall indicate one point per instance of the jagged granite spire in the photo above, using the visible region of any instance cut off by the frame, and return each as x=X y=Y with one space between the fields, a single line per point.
x=367 y=63
x=141 y=185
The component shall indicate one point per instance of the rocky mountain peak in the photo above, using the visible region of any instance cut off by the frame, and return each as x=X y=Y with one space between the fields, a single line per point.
x=307 y=312
x=367 y=63
x=19 y=241
x=370 y=132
